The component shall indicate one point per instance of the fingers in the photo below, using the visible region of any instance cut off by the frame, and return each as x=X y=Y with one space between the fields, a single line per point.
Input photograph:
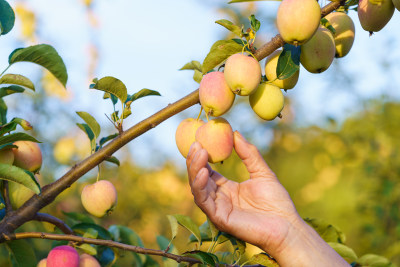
x=251 y=157
x=197 y=158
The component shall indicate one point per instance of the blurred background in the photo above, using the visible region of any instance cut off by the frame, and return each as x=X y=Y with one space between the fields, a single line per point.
x=336 y=149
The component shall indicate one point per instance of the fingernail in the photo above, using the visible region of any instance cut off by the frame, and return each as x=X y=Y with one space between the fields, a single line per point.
x=239 y=135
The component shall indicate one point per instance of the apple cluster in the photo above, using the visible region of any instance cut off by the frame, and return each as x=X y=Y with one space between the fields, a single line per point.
x=67 y=256
x=26 y=155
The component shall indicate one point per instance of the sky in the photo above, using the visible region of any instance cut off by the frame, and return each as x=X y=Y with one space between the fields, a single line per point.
x=144 y=43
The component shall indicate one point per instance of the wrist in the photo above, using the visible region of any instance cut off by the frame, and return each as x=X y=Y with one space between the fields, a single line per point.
x=302 y=246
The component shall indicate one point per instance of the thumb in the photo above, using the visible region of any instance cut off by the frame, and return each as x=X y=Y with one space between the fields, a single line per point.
x=251 y=157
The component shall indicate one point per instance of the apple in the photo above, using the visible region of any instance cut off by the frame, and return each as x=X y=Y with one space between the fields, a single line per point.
x=216 y=136
x=42 y=263
x=63 y=256
x=345 y=31
x=6 y=156
x=267 y=101
x=27 y=156
x=99 y=198
x=373 y=17
x=270 y=71
x=88 y=261
x=242 y=74
x=185 y=134
x=298 y=20
x=318 y=53
x=215 y=96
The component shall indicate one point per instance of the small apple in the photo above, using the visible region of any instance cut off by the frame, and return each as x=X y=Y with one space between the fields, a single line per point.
x=373 y=17
x=63 y=256
x=345 y=31
x=242 y=74
x=267 y=101
x=185 y=134
x=7 y=156
x=99 y=198
x=27 y=156
x=215 y=96
x=318 y=53
x=216 y=136
x=298 y=20
x=270 y=71
x=42 y=263
x=88 y=261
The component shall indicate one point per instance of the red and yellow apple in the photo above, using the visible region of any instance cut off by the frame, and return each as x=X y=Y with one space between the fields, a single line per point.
x=27 y=156
x=185 y=134
x=99 y=198
x=63 y=256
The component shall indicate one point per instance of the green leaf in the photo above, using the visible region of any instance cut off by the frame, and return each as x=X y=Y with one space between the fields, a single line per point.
x=238 y=245
x=165 y=244
x=20 y=176
x=188 y=223
x=113 y=160
x=264 y=260
x=7 y=17
x=204 y=257
x=327 y=231
x=11 y=138
x=12 y=125
x=127 y=112
x=347 y=253
x=328 y=25
x=91 y=122
x=113 y=86
x=9 y=90
x=372 y=260
x=80 y=217
x=22 y=254
x=174 y=226
x=6 y=146
x=219 y=52
x=3 y=112
x=82 y=228
x=142 y=93
x=106 y=255
x=43 y=55
x=107 y=138
x=213 y=230
x=255 y=23
x=230 y=26
x=197 y=76
x=17 y=80
x=114 y=116
x=288 y=62
x=86 y=129
x=192 y=65
x=89 y=249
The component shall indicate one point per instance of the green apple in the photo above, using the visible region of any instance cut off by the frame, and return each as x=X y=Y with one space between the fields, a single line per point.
x=267 y=101
x=242 y=74
x=216 y=97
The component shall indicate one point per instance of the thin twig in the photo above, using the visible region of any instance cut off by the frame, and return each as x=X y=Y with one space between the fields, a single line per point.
x=60 y=224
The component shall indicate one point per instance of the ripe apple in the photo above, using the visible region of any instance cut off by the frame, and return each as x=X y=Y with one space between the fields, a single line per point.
x=63 y=256
x=42 y=263
x=6 y=156
x=88 y=261
x=185 y=134
x=267 y=101
x=99 y=198
x=242 y=74
x=27 y=156
x=270 y=71
x=216 y=97
x=297 y=20
x=345 y=31
x=373 y=17
x=216 y=136
x=396 y=4
x=318 y=53
x=19 y=194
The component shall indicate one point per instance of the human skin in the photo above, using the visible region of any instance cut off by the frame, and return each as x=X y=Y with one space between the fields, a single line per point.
x=258 y=211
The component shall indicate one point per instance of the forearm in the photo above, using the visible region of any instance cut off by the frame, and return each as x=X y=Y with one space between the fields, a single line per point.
x=304 y=247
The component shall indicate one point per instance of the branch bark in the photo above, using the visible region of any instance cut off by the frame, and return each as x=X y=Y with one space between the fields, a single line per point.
x=14 y=219
x=60 y=224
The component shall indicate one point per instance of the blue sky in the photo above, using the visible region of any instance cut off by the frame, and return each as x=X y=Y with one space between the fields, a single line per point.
x=144 y=43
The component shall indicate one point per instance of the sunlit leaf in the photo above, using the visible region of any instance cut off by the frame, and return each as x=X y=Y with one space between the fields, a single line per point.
x=188 y=223
x=12 y=125
x=91 y=122
x=79 y=217
x=327 y=231
x=82 y=228
x=372 y=260
x=174 y=226
x=255 y=23
x=142 y=93
x=86 y=129
x=11 y=138
x=9 y=90
x=264 y=260
x=219 y=52
x=3 y=112
x=192 y=65
x=43 y=55
x=197 y=76
x=288 y=62
x=87 y=248
x=7 y=17
x=230 y=26
x=20 y=176
x=111 y=85
x=344 y=251
x=17 y=80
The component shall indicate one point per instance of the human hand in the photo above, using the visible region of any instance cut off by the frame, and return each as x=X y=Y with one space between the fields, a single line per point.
x=258 y=211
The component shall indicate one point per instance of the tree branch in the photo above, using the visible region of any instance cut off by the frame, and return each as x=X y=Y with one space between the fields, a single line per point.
x=6 y=196
x=27 y=211
x=101 y=242
x=60 y=224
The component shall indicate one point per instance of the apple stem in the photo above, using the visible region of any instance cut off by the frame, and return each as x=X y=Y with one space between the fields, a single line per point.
x=201 y=110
